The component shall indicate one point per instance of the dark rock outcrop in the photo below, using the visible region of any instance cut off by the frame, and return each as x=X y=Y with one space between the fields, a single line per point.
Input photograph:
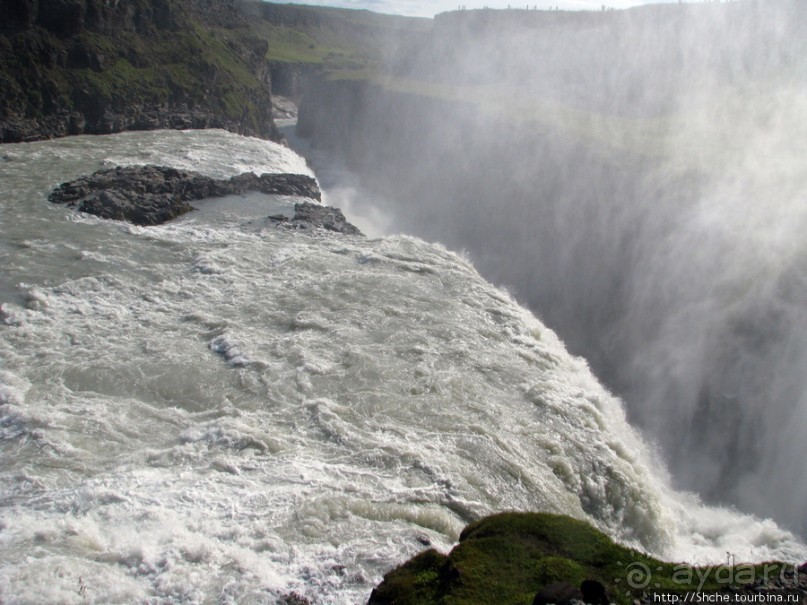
x=590 y=592
x=151 y=195
x=309 y=216
x=558 y=593
x=287 y=78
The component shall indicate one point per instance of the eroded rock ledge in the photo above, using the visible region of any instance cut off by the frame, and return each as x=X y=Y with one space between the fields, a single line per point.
x=151 y=195
x=315 y=216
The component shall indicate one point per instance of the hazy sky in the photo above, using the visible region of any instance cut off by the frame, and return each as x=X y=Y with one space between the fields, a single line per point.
x=427 y=8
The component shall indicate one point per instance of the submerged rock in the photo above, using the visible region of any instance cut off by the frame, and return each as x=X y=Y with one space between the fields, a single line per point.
x=312 y=216
x=151 y=195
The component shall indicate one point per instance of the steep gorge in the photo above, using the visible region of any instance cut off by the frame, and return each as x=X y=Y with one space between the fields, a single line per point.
x=649 y=235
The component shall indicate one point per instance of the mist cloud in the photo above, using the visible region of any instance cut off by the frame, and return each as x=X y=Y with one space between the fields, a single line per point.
x=636 y=178
x=427 y=8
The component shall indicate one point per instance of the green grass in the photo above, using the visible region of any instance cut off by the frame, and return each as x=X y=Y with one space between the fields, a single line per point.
x=334 y=39
x=324 y=49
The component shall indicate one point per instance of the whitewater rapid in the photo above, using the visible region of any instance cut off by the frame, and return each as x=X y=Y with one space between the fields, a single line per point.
x=216 y=410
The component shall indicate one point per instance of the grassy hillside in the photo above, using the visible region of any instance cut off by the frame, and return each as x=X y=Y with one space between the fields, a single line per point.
x=335 y=39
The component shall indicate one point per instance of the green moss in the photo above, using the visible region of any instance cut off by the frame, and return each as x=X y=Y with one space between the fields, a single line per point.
x=195 y=66
x=558 y=569
x=96 y=43
x=418 y=582
x=122 y=83
x=508 y=558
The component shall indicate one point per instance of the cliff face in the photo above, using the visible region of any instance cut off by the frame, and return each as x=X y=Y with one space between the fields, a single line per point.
x=94 y=66
x=70 y=17
x=100 y=66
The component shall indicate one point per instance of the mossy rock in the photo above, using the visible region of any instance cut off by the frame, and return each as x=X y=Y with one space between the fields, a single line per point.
x=560 y=569
x=509 y=557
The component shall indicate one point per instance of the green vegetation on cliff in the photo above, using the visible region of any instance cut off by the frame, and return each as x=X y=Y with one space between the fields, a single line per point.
x=102 y=68
x=94 y=66
x=508 y=558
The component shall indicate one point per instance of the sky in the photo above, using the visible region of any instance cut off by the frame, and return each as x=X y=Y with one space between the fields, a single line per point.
x=428 y=8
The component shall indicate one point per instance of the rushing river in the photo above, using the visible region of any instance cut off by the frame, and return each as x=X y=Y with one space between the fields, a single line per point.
x=220 y=411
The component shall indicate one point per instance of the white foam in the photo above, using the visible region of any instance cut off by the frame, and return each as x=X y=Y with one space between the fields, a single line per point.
x=217 y=410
